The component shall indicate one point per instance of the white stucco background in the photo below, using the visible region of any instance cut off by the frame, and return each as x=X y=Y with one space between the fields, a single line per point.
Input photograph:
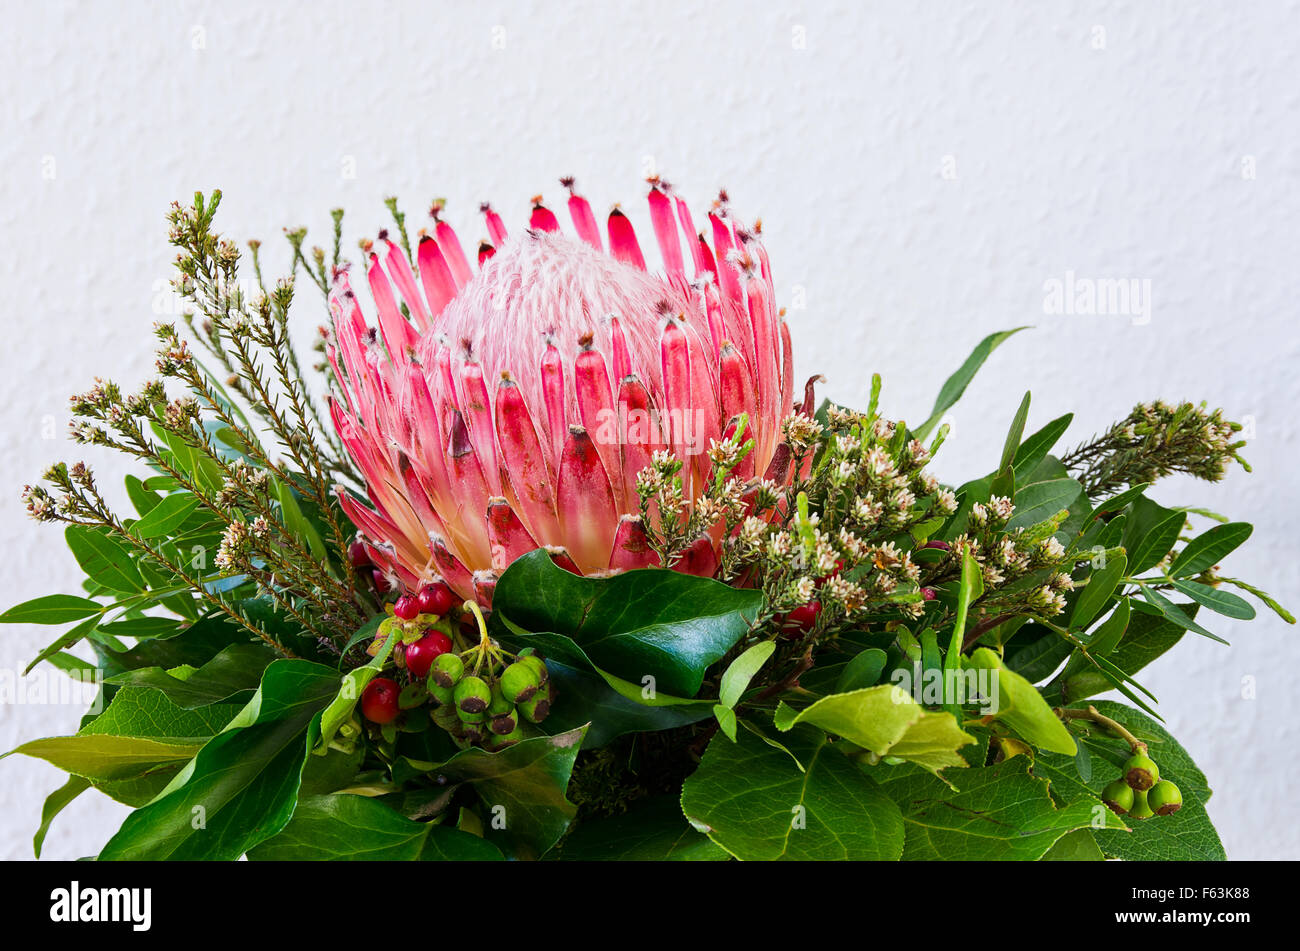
x=921 y=170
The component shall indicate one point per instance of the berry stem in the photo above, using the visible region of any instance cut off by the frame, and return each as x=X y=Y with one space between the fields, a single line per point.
x=1096 y=716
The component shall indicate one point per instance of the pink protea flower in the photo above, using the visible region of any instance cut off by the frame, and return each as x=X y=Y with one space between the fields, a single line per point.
x=516 y=406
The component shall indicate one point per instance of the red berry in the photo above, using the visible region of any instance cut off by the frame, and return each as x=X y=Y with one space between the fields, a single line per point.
x=929 y=594
x=421 y=655
x=379 y=700
x=381 y=583
x=937 y=544
x=407 y=607
x=839 y=566
x=358 y=555
x=800 y=621
x=436 y=599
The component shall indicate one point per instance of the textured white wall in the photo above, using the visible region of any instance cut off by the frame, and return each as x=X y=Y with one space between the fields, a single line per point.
x=1105 y=139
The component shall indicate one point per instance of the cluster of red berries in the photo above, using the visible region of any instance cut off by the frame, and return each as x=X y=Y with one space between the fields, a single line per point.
x=1140 y=793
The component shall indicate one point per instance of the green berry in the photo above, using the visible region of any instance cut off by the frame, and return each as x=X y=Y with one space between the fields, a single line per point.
x=504 y=723
x=494 y=744
x=447 y=670
x=499 y=704
x=536 y=708
x=1119 y=796
x=473 y=732
x=444 y=696
x=1140 y=772
x=519 y=681
x=472 y=694
x=538 y=665
x=1165 y=798
x=1141 y=807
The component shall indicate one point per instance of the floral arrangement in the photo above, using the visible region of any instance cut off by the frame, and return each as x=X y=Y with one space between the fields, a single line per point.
x=564 y=564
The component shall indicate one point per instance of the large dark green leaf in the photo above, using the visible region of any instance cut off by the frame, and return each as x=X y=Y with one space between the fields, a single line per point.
x=521 y=790
x=583 y=696
x=653 y=831
x=995 y=813
x=649 y=622
x=758 y=801
x=1187 y=835
x=1035 y=448
x=241 y=787
x=355 y=828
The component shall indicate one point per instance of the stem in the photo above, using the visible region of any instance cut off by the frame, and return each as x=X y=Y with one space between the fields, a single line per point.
x=1093 y=714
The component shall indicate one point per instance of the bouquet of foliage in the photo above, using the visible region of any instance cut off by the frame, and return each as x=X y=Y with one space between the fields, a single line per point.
x=554 y=560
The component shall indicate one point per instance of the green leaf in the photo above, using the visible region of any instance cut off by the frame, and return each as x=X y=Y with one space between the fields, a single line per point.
x=651 y=831
x=1174 y=612
x=741 y=671
x=1117 y=502
x=346 y=828
x=243 y=784
x=1077 y=846
x=52 y=609
x=167 y=516
x=104 y=559
x=55 y=803
x=1147 y=637
x=235 y=671
x=1102 y=583
x=1187 y=835
x=108 y=756
x=1004 y=481
x=1264 y=596
x=140 y=711
x=521 y=789
x=753 y=799
x=1038 y=501
x=1152 y=530
x=1205 y=550
x=584 y=695
x=294 y=520
x=956 y=384
x=354 y=682
x=1221 y=602
x=65 y=640
x=647 y=622
x=996 y=813
x=863 y=670
x=886 y=720
x=1035 y=449
x=1020 y=706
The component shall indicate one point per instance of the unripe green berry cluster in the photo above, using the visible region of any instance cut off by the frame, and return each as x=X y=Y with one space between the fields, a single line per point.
x=1140 y=793
x=488 y=702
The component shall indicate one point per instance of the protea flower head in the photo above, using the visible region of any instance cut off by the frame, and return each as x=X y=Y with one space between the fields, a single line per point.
x=513 y=408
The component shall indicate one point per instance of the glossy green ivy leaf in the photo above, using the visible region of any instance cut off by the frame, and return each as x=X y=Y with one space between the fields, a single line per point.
x=345 y=828
x=648 y=622
x=996 y=813
x=651 y=831
x=753 y=799
x=1186 y=836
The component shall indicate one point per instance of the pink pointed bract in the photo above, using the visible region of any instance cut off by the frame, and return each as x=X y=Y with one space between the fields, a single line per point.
x=513 y=408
